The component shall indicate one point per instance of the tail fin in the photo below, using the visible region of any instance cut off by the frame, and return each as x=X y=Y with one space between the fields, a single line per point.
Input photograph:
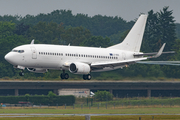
x=133 y=40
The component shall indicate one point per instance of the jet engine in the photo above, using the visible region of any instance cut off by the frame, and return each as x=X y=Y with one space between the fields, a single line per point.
x=79 y=68
x=37 y=70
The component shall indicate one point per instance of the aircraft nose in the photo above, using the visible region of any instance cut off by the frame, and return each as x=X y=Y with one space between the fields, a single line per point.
x=8 y=57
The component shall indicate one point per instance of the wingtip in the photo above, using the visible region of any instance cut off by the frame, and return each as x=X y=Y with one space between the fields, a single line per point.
x=32 y=42
x=160 y=51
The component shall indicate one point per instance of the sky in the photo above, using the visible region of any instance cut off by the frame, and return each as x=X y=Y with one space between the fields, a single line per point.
x=126 y=9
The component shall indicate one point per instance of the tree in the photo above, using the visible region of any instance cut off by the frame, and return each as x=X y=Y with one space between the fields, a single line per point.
x=103 y=96
x=178 y=30
x=160 y=28
x=51 y=94
x=152 y=33
x=76 y=35
x=21 y=29
x=6 y=29
x=27 y=97
x=167 y=28
x=46 y=33
x=97 y=41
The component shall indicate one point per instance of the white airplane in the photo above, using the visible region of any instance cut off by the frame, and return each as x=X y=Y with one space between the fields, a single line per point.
x=39 y=58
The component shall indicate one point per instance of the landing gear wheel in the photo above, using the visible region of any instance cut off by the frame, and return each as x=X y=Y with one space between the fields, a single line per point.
x=64 y=75
x=87 y=77
x=21 y=73
x=84 y=77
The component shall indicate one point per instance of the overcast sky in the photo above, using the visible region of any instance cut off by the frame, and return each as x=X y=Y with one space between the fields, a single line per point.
x=127 y=9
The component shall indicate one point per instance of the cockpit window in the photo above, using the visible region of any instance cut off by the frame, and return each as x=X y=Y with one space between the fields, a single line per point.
x=19 y=51
x=14 y=50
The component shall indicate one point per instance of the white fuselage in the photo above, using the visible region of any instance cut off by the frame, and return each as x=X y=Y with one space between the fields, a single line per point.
x=57 y=56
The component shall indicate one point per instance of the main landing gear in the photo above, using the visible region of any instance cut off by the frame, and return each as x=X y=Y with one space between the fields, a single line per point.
x=87 y=77
x=64 y=75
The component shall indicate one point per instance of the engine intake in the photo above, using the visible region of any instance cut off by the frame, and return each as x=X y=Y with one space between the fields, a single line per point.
x=79 y=68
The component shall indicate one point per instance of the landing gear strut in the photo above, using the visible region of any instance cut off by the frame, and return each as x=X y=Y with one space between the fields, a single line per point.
x=21 y=73
x=64 y=75
x=87 y=77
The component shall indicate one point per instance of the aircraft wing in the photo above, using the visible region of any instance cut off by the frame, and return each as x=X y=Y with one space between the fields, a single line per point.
x=155 y=54
x=160 y=62
x=115 y=63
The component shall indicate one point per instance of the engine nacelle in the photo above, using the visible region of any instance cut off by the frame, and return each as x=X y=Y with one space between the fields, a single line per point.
x=79 y=68
x=37 y=70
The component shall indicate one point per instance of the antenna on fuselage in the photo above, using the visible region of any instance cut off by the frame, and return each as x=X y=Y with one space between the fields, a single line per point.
x=32 y=42
x=69 y=44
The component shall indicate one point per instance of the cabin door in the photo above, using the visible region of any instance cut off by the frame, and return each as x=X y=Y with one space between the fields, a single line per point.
x=34 y=53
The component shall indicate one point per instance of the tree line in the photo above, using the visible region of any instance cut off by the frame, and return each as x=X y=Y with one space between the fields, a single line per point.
x=61 y=27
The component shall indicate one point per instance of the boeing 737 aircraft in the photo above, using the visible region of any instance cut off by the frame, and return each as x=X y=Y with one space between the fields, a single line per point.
x=39 y=58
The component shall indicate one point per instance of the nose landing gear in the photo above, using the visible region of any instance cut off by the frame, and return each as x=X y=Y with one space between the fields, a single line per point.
x=21 y=73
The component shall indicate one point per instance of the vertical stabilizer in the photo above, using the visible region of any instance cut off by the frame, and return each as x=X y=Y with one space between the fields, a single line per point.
x=133 y=40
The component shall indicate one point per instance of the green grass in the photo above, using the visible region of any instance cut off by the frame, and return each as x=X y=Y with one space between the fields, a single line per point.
x=164 y=111
x=127 y=110
x=133 y=117
x=46 y=118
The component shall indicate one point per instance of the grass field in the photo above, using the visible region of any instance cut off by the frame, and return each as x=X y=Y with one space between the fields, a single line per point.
x=118 y=110
x=165 y=113
x=133 y=117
